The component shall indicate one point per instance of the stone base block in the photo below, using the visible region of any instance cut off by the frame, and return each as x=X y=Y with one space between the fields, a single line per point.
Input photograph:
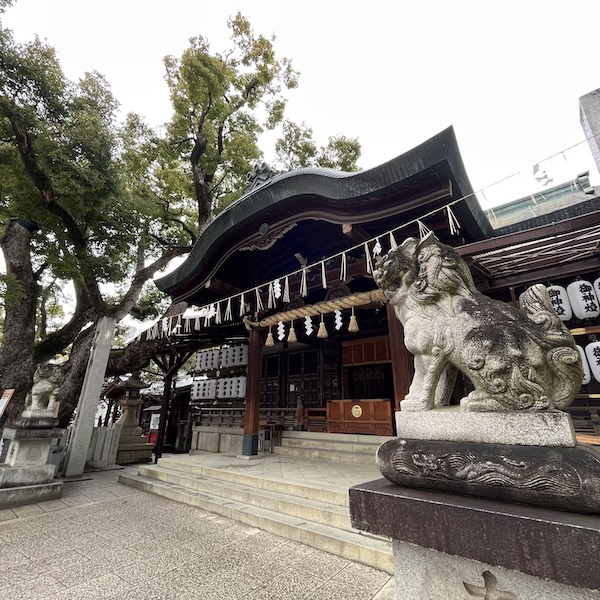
x=421 y=573
x=134 y=454
x=544 y=428
x=19 y=476
x=30 y=494
x=542 y=544
x=250 y=444
x=15 y=433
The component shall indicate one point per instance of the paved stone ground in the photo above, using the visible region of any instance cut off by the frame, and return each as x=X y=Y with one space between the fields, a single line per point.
x=107 y=540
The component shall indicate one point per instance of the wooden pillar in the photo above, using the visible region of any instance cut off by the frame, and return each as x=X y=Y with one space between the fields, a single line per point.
x=402 y=359
x=164 y=413
x=252 y=405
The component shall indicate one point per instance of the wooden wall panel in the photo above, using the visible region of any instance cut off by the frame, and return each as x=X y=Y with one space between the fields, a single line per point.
x=360 y=416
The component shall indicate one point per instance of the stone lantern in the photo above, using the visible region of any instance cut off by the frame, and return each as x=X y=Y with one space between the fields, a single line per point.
x=132 y=446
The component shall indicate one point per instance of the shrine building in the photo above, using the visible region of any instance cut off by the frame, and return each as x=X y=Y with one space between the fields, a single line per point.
x=292 y=332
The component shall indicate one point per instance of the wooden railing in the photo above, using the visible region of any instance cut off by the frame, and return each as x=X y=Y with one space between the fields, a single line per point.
x=585 y=413
x=234 y=417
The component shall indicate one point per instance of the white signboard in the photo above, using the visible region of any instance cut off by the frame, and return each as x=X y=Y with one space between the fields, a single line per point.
x=5 y=399
x=154 y=421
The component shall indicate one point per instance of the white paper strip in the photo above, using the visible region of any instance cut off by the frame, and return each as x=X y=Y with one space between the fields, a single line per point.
x=453 y=223
x=423 y=229
x=259 y=304
x=369 y=262
x=280 y=331
x=303 y=284
x=270 y=296
x=228 y=315
x=308 y=325
x=286 y=290
x=377 y=248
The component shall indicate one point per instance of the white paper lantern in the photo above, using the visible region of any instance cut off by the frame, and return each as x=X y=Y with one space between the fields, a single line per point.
x=587 y=375
x=597 y=287
x=560 y=302
x=584 y=301
x=592 y=352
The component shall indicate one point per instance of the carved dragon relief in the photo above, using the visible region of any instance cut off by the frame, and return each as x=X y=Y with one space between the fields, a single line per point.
x=554 y=478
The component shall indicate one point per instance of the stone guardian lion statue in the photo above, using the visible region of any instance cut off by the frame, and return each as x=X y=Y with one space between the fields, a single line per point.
x=516 y=359
x=46 y=383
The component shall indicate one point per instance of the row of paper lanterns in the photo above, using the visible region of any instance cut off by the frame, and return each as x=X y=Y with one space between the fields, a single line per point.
x=580 y=298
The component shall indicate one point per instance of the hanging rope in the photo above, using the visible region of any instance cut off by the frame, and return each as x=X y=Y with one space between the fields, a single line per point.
x=320 y=308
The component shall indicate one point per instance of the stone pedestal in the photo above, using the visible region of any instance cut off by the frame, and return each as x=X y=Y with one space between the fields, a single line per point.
x=132 y=447
x=451 y=547
x=26 y=476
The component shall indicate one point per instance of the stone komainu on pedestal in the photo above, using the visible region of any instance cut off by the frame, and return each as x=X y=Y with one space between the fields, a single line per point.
x=473 y=490
x=516 y=359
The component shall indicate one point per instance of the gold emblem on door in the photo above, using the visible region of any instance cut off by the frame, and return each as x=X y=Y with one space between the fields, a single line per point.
x=357 y=411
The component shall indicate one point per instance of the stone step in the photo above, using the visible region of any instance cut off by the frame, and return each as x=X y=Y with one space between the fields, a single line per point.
x=324 y=444
x=347 y=438
x=352 y=545
x=335 y=515
x=321 y=493
x=363 y=458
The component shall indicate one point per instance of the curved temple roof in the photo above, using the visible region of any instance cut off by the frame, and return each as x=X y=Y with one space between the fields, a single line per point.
x=383 y=193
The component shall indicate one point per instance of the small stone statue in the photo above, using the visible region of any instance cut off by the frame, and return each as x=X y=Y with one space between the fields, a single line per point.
x=516 y=359
x=46 y=381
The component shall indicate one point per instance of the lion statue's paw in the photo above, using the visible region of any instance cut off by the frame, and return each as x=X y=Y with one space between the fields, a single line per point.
x=410 y=404
x=480 y=402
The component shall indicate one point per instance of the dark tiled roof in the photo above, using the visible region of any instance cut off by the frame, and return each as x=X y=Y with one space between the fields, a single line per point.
x=323 y=192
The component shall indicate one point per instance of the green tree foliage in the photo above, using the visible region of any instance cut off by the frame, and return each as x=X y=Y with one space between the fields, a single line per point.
x=97 y=206
x=296 y=149
x=221 y=103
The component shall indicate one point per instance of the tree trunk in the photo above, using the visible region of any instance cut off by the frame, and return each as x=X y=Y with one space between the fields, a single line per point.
x=17 y=349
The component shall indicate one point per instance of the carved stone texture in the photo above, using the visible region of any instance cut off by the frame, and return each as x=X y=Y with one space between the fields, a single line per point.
x=564 y=478
x=516 y=359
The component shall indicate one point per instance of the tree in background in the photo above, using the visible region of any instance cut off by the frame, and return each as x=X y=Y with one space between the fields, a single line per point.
x=296 y=149
x=71 y=215
x=101 y=206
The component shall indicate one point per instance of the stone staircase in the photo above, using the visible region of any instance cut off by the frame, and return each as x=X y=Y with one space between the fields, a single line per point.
x=338 y=447
x=311 y=511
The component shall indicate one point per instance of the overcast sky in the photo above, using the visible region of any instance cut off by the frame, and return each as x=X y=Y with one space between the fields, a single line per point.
x=508 y=75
